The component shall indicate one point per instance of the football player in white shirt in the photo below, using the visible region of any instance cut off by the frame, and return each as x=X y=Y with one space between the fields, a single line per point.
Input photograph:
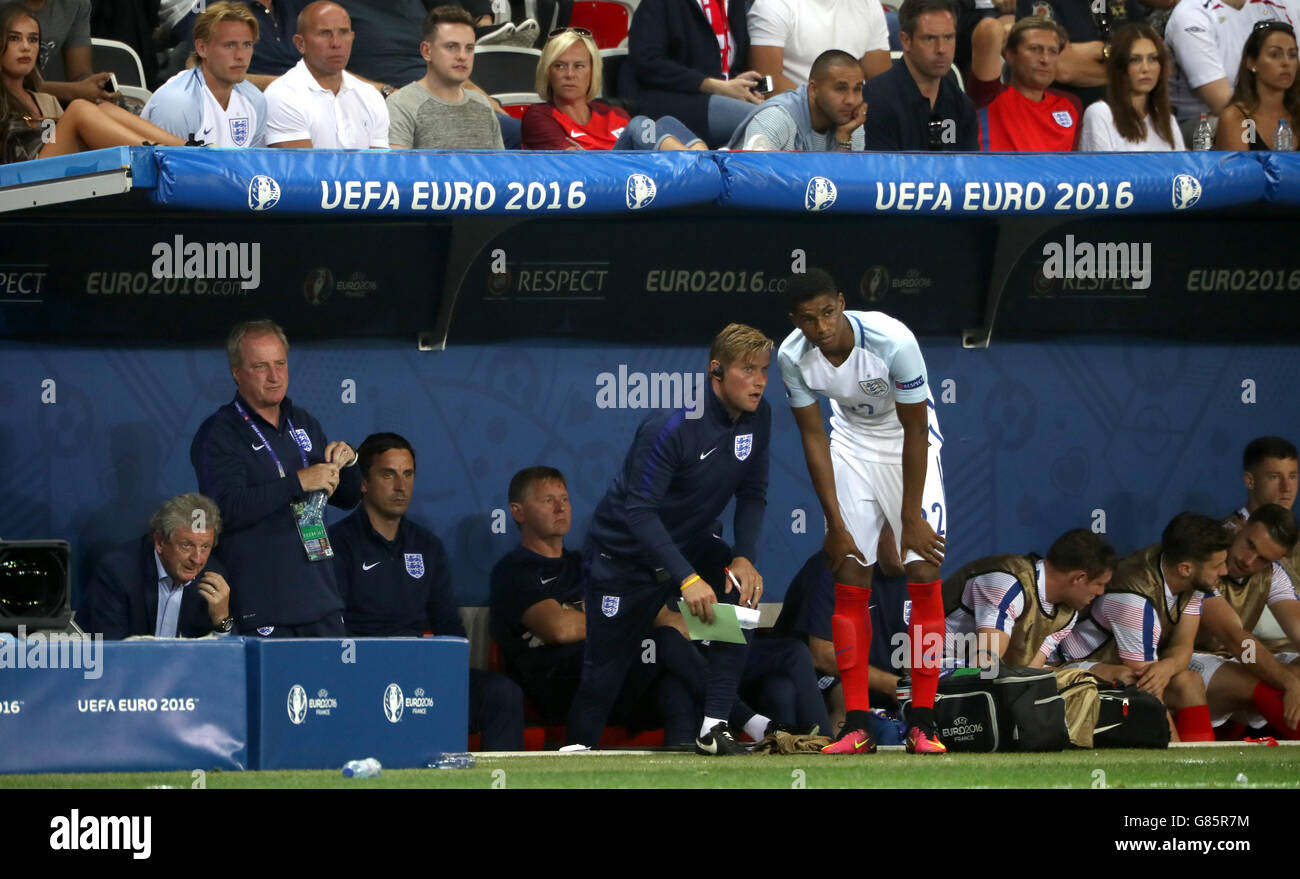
x=1254 y=680
x=317 y=103
x=213 y=103
x=880 y=465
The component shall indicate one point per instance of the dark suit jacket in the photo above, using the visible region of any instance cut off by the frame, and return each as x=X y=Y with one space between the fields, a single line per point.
x=671 y=49
x=121 y=598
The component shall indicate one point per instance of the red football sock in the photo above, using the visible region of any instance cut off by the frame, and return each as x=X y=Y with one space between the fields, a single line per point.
x=927 y=633
x=1269 y=702
x=851 y=633
x=1194 y=724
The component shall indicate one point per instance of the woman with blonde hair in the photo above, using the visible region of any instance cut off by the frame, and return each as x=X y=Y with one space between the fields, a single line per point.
x=1266 y=93
x=569 y=78
x=1135 y=116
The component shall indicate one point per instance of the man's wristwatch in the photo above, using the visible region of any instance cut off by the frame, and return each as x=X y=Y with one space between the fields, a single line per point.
x=1105 y=51
x=224 y=626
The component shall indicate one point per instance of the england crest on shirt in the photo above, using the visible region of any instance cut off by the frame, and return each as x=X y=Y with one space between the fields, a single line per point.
x=302 y=439
x=1063 y=118
x=415 y=564
x=744 y=445
x=239 y=130
x=875 y=387
x=609 y=605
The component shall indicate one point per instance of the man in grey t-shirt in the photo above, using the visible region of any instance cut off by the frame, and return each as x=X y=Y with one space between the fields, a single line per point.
x=437 y=111
x=65 y=59
x=824 y=115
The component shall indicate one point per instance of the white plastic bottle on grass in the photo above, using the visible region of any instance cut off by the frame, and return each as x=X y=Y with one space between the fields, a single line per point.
x=367 y=768
x=1203 y=138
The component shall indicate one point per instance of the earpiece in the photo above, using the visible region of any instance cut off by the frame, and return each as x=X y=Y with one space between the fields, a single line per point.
x=717 y=372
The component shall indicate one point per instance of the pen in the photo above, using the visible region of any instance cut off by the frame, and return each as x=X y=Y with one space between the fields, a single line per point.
x=736 y=583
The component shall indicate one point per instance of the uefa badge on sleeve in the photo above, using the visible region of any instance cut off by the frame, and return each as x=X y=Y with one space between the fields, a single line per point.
x=415 y=564
x=744 y=445
x=609 y=605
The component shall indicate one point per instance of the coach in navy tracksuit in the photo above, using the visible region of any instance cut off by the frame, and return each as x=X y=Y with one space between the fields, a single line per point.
x=395 y=582
x=677 y=478
x=255 y=457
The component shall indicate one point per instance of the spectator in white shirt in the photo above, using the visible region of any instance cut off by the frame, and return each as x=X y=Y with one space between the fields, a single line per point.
x=214 y=103
x=786 y=36
x=318 y=103
x=1135 y=116
x=1206 y=40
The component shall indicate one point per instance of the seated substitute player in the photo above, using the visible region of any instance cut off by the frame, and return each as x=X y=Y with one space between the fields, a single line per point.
x=539 y=624
x=1240 y=672
x=213 y=102
x=1148 y=617
x=881 y=464
x=1271 y=472
x=164 y=584
x=677 y=478
x=824 y=114
x=1020 y=608
x=395 y=582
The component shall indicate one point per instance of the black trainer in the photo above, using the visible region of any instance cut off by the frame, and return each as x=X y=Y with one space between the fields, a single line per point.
x=776 y=726
x=718 y=742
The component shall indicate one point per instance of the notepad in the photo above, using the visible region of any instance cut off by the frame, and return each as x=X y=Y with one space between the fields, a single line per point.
x=728 y=622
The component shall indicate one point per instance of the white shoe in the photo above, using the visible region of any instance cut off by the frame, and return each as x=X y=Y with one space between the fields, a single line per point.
x=574 y=749
x=502 y=36
x=526 y=34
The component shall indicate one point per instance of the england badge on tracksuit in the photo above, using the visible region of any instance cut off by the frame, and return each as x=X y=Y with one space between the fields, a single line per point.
x=609 y=605
x=415 y=564
x=744 y=445
x=302 y=438
x=239 y=130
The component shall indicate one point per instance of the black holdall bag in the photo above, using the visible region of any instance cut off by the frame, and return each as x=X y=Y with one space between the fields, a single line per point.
x=1016 y=710
x=1130 y=718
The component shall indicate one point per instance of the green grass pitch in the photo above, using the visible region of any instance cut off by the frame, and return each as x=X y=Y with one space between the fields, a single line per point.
x=1209 y=767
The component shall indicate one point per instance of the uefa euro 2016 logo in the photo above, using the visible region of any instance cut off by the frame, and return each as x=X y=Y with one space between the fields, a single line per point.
x=640 y=191
x=820 y=194
x=1187 y=191
x=297 y=704
x=263 y=193
x=393 y=703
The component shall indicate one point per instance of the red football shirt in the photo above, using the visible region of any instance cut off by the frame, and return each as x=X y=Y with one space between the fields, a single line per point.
x=545 y=127
x=1013 y=123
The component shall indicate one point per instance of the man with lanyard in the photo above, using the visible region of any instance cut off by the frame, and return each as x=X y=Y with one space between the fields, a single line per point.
x=246 y=457
x=655 y=524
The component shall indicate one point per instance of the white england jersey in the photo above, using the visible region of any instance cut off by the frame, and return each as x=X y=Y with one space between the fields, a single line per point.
x=231 y=126
x=885 y=367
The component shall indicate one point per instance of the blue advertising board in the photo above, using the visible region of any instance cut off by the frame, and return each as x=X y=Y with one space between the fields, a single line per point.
x=318 y=703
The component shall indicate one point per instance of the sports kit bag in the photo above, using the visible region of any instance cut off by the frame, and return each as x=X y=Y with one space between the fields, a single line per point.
x=1018 y=710
x=1130 y=718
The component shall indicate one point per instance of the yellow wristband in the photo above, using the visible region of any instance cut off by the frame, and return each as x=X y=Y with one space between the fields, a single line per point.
x=689 y=580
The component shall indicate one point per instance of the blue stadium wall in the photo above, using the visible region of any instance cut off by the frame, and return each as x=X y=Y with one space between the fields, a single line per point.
x=1039 y=437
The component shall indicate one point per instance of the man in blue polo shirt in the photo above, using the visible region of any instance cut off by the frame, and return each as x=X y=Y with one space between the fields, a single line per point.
x=683 y=469
x=914 y=107
x=269 y=468
x=395 y=581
